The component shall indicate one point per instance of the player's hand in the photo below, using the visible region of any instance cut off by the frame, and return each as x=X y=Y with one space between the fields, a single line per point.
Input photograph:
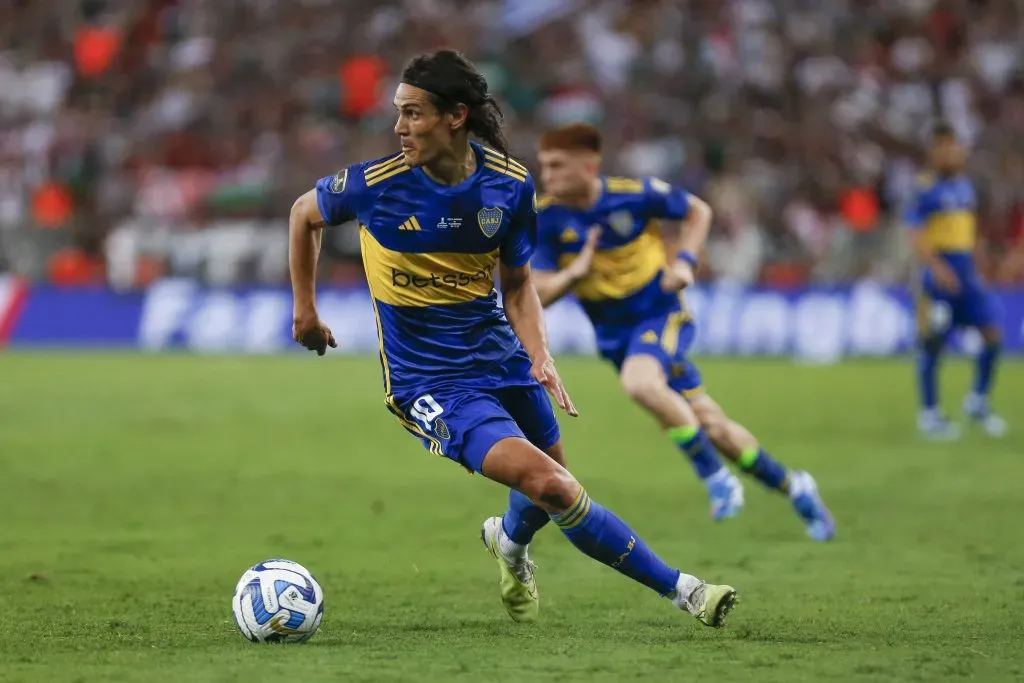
x=311 y=333
x=947 y=280
x=581 y=265
x=678 y=277
x=543 y=371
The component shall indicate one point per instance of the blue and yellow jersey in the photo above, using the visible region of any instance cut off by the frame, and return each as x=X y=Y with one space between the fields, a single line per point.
x=430 y=251
x=943 y=210
x=623 y=287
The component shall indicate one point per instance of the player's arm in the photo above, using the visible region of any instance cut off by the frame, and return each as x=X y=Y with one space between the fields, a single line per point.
x=686 y=222
x=326 y=204
x=520 y=300
x=930 y=259
x=553 y=283
x=914 y=218
x=305 y=226
x=526 y=316
x=692 y=232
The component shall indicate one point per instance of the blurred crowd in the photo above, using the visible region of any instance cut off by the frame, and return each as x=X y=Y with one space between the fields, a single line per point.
x=140 y=138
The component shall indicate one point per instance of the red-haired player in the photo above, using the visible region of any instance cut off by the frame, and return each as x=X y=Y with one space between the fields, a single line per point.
x=605 y=239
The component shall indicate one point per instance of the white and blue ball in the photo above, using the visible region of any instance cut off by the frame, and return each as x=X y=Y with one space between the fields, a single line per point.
x=278 y=601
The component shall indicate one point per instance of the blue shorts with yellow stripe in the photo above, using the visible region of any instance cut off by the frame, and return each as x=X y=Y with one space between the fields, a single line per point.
x=667 y=338
x=463 y=423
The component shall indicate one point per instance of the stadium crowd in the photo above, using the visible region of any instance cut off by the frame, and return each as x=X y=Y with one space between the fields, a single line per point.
x=146 y=137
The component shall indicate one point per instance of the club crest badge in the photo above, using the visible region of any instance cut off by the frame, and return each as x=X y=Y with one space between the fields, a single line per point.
x=622 y=222
x=489 y=220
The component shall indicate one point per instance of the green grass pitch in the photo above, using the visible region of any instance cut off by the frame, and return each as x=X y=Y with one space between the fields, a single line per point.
x=138 y=488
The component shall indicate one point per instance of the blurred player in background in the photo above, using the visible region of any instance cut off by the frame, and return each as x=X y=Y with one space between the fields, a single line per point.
x=598 y=237
x=950 y=292
x=460 y=373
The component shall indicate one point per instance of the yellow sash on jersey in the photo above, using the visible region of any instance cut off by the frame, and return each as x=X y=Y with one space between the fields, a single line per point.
x=617 y=273
x=950 y=231
x=401 y=278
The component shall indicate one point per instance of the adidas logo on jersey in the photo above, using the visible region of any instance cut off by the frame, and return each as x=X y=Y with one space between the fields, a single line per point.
x=411 y=224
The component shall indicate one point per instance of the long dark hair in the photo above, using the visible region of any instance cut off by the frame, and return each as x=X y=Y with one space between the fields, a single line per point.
x=451 y=79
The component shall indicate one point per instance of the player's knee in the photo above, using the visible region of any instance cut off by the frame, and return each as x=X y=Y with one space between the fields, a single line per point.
x=641 y=388
x=554 y=487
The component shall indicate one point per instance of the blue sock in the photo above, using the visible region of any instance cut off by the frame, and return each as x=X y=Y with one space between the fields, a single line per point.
x=522 y=519
x=984 y=371
x=764 y=468
x=927 y=373
x=597 y=532
x=695 y=443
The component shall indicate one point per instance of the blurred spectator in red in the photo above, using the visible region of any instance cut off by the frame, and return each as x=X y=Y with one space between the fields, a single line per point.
x=96 y=47
x=362 y=84
x=52 y=205
x=74 y=268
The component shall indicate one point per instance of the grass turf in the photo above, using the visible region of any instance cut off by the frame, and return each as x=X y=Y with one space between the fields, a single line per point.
x=139 y=488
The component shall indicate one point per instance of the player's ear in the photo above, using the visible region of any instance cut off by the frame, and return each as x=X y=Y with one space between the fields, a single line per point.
x=457 y=117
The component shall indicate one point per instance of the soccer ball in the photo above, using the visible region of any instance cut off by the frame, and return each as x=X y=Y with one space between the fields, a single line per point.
x=278 y=601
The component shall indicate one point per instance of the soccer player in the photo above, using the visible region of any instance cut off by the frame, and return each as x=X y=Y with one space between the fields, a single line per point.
x=599 y=238
x=949 y=291
x=460 y=373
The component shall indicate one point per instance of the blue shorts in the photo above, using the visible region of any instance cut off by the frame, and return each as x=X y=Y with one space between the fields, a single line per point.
x=939 y=312
x=667 y=338
x=464 y=423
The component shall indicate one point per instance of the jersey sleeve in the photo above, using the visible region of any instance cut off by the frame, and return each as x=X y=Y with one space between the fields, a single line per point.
x=521 y=237
x=339 y=195
x=545 y=255
x=665 y=201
